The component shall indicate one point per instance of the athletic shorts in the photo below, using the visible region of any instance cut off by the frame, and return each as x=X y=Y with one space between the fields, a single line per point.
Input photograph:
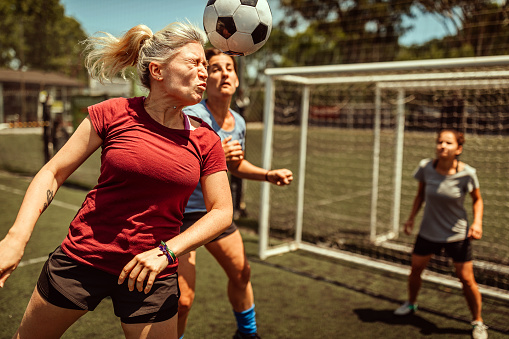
x=68 y=284
x=192 y=217
x=459 y=251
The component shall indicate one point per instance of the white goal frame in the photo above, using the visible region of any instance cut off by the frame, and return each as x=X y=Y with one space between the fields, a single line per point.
x=321 y=75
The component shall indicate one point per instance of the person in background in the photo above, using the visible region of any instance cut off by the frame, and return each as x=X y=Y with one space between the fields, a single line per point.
x=59 y=133
x=125 y=239
x=443 y=184
x=228 y=248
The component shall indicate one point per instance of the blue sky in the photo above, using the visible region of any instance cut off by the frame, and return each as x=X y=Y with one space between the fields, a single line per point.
x=118 y=16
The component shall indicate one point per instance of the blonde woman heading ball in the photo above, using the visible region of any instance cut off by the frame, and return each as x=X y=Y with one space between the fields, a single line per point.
x=124 y=240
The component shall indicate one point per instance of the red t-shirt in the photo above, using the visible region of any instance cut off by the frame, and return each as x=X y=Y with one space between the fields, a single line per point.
x=148 y=172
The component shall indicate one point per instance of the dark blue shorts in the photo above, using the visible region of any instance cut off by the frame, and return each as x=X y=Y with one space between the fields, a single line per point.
x=192 y=217
x=68 y=284
x=459 y=251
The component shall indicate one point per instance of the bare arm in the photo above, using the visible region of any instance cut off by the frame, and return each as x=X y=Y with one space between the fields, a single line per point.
x=418 y=200
x=246 y=170
x=475 y=231
x=218 y=200
x=41 y=191
x=240 y=167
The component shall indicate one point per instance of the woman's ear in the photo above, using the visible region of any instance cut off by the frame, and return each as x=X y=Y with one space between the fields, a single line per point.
x=459 y=150
x=155 y=70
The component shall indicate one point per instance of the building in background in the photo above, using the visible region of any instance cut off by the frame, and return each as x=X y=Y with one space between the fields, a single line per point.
x=22 y=95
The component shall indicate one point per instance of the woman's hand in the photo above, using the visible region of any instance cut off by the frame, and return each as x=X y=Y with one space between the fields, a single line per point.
x=144 y=266
x=475 y=231
x=11 y=253
x=409 y=226
x=232 y=150
x=280 y=177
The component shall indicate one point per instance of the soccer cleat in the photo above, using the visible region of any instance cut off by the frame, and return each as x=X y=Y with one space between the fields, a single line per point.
x=479 y=330
x=240 y=335
x=406 y=309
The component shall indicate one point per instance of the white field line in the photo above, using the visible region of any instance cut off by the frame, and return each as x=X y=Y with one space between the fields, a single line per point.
x=54 y=202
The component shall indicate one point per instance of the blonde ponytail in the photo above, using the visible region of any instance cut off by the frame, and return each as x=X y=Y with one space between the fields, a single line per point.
x=108 y=56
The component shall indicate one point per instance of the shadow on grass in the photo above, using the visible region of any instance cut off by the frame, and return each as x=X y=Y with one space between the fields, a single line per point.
x=387 y=317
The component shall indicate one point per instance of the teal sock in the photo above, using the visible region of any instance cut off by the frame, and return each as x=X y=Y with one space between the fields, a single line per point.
x=182 y=337
x=246 y=320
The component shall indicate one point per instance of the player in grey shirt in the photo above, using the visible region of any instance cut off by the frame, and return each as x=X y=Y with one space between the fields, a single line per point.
x=444 y=183
x=445 y=217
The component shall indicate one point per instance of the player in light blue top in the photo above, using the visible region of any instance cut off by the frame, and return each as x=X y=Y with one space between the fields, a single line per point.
x=196 y=202
x=444 y=183
x=228 y=248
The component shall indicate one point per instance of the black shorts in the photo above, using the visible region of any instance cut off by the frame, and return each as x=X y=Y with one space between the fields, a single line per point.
x=68 y=284
x=192 y=217
x=459 y=251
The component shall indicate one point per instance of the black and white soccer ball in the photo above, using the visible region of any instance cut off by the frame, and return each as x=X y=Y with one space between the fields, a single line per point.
x=237 y=27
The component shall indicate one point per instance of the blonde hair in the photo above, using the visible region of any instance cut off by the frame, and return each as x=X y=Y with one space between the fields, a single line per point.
x=108 y=56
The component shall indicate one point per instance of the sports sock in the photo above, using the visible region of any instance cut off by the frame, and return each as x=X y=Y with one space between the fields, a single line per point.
x=246 y=320
x=182 y=337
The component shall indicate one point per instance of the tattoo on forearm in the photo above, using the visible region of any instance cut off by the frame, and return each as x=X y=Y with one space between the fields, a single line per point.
x=49 y=197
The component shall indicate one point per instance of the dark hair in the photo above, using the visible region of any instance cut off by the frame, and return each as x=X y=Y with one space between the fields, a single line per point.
x=210 y=52
x=460 y=137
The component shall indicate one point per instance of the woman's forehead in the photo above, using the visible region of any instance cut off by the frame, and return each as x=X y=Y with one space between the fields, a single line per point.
x=447 y=136
x=221 y=59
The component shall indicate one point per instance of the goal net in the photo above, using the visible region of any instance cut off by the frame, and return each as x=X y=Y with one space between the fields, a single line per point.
x=353 y=136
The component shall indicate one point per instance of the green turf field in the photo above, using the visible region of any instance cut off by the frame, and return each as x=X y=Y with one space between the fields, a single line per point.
x=298 y=295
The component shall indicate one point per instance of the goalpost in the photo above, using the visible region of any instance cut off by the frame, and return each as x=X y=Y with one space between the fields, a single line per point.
x=353 y=134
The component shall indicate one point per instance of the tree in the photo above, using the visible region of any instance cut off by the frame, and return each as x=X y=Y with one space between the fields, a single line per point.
x=349 y=31
x=37 y=35
x=481 y=30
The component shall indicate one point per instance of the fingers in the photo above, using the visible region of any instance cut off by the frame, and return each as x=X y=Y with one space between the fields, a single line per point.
x=144 y=266
x=150 y=282
x=235 y=155
x=409 y=225
x=126 y=270
x=475 y=234
x=232 y=150
x=140 y=279
x=283 y=177
x=3 y=276
x=134 y=276
x=226 y=140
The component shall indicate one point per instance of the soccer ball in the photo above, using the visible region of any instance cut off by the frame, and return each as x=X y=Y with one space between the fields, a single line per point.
x=237 y=27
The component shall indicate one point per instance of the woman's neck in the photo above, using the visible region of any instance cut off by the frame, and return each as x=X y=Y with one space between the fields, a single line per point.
x=165 y=113
x=220 y=110
x=447 y=166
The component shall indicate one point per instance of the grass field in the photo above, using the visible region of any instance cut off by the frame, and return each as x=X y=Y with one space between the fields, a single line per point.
x=338 y=180
x=298 y=295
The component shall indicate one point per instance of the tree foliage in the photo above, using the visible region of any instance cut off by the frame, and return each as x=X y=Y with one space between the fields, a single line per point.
x=352 y=31
x=481 y=30
x=319 y=32
x=37 y=35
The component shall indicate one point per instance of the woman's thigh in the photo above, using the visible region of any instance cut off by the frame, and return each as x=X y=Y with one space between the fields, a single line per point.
x=157 y=330
x=46 y=319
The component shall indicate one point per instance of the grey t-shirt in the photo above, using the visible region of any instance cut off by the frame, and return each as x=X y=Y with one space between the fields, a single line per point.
x=445 y=217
